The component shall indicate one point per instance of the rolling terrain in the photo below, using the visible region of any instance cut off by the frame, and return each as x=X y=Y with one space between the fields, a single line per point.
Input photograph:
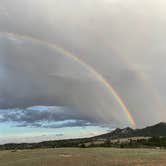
x=149 y=137
x=127 y=147
x=157 y=130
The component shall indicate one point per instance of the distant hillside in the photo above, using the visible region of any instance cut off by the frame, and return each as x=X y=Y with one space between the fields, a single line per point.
x=151 y=131
x=156 y=134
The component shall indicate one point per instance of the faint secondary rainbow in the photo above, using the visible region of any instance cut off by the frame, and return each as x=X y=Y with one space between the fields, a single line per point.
x=140 y=74
x=98 y=76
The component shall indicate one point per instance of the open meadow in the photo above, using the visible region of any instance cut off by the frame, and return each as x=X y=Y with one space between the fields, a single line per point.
x=84 y=157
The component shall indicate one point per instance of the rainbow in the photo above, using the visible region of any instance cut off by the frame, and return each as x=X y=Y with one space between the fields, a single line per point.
x=98 y=76
x=141 y=75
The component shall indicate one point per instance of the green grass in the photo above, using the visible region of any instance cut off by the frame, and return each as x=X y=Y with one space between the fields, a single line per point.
x=84 y=157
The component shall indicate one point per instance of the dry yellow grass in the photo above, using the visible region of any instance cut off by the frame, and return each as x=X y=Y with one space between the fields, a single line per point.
x=84 y=157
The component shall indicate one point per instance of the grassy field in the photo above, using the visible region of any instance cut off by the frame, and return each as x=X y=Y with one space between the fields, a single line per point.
x=84 y=157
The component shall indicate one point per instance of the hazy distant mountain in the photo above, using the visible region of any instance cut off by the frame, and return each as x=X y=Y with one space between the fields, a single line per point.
x=156 y=130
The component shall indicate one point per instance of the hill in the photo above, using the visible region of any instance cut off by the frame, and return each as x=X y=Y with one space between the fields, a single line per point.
x=157 y=130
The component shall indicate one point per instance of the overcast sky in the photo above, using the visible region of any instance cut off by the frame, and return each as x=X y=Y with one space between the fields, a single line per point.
x=44 y=92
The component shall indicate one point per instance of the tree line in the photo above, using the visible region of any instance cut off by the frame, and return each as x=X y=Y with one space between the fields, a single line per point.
x=89 y=143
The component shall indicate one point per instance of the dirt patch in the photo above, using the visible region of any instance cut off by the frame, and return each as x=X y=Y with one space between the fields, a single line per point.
x=65 y=155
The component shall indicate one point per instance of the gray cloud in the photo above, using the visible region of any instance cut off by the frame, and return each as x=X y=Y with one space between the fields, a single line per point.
x=52 y=80
x=67 y=123
x=53 y=117
x=123 y=40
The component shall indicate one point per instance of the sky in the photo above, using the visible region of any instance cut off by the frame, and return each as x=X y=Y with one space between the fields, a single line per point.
x=80 y=68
